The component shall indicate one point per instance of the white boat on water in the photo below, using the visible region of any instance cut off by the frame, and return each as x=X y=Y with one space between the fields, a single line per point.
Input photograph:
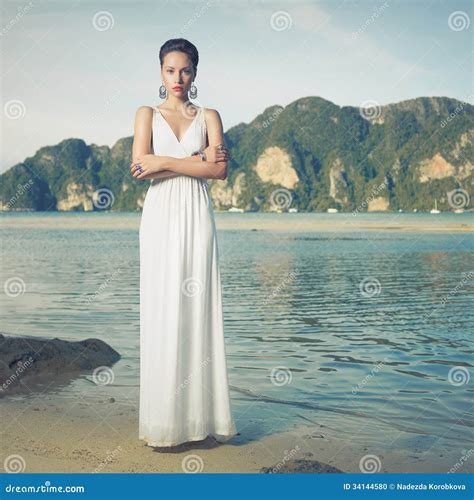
x=292 y=210
x=435 y=209
x=332 y=210
x=235 y=209
x=459 y=211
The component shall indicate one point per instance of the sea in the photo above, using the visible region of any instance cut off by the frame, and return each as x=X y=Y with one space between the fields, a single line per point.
x=362 y=325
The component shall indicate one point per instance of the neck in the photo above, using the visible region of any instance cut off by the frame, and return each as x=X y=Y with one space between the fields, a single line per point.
x=175 y=103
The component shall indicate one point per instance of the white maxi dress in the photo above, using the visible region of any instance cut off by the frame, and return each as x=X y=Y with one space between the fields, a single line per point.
x=184 y=391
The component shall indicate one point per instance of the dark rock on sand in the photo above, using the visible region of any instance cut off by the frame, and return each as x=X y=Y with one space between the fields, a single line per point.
x=25 y=360
x=300 y=466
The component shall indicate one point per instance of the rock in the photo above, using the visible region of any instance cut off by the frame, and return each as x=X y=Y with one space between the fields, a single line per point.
x=78 y=195
x=274 y=165
x=25 y=360
x=378 y=204
x=300 y=466
x=338 y=182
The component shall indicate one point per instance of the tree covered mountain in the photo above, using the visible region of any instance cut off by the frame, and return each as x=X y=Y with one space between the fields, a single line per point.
x=310 y=155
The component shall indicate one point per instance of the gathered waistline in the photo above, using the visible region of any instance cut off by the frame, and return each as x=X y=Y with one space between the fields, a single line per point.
x=155 y=182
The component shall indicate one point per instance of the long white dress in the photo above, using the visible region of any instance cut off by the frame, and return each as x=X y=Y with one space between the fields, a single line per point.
x=184 y=393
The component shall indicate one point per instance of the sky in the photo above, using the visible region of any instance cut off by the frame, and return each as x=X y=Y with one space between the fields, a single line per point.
x=80 y=69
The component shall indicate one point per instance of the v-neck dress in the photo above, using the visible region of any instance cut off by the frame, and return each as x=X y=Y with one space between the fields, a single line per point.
x=184 y=391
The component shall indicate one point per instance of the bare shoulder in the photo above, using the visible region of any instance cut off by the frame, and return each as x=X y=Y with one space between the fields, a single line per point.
x=212 y=116
x=211 y=113
x=144 y=112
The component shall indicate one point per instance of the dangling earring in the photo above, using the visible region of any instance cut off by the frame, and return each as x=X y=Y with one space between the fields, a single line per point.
x=162 y=91
x=193 y=91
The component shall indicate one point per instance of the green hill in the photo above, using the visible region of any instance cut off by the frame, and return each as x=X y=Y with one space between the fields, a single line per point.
x=311 y=155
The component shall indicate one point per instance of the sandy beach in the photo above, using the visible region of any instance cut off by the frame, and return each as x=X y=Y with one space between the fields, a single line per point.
x=271 y=222
x=102 y=437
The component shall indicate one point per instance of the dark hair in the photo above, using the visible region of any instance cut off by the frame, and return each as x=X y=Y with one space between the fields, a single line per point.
x=180 y=45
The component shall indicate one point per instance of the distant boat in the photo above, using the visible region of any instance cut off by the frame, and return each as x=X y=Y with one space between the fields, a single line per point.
x=415 y=210
x=400 y=209
x=332 y=210
x=235 y=209
x=459 y=211
x=292 y=210
x=435 y=209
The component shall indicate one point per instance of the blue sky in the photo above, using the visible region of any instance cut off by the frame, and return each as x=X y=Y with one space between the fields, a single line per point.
x=65 y=76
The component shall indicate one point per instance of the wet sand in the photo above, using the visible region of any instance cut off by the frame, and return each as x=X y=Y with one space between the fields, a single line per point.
x=43 y=436
x=285 y=222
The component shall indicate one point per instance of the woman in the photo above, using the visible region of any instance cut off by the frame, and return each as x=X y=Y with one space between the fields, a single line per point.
x=184 y=394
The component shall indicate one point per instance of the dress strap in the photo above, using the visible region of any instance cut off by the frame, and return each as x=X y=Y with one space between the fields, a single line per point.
x=203 y=120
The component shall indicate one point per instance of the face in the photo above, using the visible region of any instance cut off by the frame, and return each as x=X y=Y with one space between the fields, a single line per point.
x=177 y=71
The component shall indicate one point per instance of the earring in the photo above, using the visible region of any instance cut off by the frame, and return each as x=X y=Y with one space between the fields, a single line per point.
x=193 y=91
x=162 y=91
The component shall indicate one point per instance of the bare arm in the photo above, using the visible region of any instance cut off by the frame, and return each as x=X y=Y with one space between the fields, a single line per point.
x=154 y=166
x=193 y=166
x=142 y=138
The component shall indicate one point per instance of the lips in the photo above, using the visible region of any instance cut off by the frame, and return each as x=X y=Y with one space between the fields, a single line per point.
x=177 y=88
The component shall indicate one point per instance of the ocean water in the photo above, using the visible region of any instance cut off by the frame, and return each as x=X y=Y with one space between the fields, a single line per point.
x=365 y=331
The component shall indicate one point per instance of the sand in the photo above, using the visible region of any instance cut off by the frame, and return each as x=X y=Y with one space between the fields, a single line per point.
x=51 y=436
x=225 y=221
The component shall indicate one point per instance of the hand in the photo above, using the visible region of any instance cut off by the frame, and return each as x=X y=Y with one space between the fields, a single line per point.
x=150 y=164
x=217 y=153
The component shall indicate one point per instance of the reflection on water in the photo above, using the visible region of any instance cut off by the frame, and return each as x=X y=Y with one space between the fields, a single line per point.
x=365 y=332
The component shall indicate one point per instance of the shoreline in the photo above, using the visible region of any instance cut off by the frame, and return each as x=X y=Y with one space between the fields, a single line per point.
x=103 y=437
x=254 y=221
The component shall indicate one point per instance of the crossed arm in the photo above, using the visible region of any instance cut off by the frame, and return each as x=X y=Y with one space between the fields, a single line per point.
x=158 y=167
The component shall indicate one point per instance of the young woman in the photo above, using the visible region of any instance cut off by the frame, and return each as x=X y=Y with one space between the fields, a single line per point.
x=184 y=394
